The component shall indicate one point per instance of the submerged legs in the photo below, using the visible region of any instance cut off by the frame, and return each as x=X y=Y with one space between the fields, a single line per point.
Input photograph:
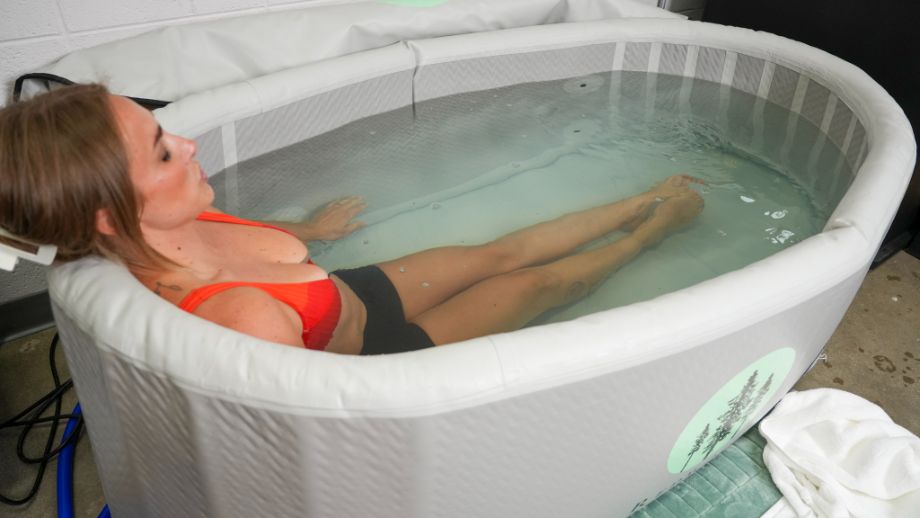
x=508 y=301
x=428 y=278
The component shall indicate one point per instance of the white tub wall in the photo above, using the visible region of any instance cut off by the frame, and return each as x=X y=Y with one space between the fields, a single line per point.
x=440 y=452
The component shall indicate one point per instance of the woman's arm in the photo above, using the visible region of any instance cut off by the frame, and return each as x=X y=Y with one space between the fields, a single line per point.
x=255 y=313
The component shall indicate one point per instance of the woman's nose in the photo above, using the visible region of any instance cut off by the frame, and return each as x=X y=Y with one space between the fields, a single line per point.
x=190 y=146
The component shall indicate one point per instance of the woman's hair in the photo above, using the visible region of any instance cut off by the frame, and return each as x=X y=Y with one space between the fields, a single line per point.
x=62 y=159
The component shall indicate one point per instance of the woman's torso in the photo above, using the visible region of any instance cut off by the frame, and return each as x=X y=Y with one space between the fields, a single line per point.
x=273 y=260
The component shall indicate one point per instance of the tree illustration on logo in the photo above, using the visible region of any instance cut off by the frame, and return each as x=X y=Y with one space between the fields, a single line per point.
x=755 y=403
x=639 y=505
x=732 y=416
x=730 y=409
x=696 y=445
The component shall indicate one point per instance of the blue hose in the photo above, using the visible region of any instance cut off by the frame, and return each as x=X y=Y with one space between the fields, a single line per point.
x=65 y=469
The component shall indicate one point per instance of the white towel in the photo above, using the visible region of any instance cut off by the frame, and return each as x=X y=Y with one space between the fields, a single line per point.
x=834 y=454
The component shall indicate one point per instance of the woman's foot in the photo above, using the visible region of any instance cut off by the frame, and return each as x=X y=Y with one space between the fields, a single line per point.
x=670 y=216
x=673 y=186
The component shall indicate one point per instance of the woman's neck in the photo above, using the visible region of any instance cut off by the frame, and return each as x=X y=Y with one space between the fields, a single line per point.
x=188 y=247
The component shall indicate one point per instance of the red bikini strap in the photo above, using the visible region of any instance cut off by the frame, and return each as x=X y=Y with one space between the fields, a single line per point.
x=227 y=218
x=195 y=297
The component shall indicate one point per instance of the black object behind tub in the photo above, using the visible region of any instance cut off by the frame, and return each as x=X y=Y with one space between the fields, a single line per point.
x=24 y=316
x=880 y=36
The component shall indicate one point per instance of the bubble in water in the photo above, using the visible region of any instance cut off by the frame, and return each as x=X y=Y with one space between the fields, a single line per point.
x=745 y=199
x=780 y=214
x=583 y=85
x=783 y=236
x=435 y=206
x=582 y=130
x=777 y=236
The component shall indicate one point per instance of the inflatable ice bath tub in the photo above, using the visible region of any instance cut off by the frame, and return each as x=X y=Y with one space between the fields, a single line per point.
x=588 y=417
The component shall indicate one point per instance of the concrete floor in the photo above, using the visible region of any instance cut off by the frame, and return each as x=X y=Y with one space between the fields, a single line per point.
x=875 y=353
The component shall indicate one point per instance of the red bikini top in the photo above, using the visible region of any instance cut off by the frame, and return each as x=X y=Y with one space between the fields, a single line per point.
x=317 y=302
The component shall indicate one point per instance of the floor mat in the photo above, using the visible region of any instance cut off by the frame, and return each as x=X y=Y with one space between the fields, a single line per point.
x=735 y=484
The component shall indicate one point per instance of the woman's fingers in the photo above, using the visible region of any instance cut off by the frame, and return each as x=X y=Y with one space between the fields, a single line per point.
x=334 y=220
x=351 y=204
x=682 y=179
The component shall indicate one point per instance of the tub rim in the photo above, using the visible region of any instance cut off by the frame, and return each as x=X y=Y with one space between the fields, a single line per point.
x=225 y=364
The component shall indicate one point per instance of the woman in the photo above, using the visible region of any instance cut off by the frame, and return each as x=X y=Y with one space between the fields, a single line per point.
x=94 y=173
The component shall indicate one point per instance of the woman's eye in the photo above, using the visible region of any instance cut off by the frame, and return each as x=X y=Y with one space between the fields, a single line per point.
x=166 y=156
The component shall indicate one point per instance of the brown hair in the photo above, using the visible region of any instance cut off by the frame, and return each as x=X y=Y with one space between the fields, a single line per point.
x=61 y=160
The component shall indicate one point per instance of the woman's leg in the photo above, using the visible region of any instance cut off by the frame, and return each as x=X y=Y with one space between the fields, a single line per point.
x=507 y=302
x=426 y=279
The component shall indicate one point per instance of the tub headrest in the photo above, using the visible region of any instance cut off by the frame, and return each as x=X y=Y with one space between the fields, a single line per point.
x=10 y=255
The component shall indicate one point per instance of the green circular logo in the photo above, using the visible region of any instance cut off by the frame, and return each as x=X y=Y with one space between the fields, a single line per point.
x=414 y=3
x=730 y=410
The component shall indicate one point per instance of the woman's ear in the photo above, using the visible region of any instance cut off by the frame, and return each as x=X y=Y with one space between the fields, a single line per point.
x=104 y=222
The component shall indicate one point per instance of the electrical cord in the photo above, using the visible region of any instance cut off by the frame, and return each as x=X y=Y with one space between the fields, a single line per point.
x=31 y=416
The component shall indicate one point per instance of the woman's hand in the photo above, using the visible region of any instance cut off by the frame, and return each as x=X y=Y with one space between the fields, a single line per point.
x=333 y=220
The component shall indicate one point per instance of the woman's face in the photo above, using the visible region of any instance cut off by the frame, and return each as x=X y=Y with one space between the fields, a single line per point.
x=163 y=169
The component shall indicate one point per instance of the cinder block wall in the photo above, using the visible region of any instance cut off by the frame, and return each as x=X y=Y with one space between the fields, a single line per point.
x=34 y=33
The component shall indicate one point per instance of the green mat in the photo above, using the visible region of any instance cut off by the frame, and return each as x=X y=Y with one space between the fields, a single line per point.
x=735 y=484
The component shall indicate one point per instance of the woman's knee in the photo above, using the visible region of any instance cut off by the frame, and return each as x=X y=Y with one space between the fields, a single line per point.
x=501 y=255
x=540 y=285
x=553 y=287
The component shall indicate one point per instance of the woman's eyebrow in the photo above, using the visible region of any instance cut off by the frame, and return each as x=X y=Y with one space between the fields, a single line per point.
x=158 y=136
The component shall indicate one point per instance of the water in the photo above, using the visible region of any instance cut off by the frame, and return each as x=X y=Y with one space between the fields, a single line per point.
x=467 y=169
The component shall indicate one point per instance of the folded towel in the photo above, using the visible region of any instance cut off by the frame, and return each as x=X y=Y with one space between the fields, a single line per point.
x=834 y=454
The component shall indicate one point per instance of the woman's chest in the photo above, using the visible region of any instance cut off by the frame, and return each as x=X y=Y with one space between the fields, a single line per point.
x=243 y=244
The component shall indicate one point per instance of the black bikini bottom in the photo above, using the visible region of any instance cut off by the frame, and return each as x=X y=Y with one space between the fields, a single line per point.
x=386 y=330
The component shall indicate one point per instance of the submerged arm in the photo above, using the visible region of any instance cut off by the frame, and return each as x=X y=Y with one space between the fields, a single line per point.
x=332 y=221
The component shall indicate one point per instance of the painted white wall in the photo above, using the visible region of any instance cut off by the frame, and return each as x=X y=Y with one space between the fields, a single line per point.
x=34 y=33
